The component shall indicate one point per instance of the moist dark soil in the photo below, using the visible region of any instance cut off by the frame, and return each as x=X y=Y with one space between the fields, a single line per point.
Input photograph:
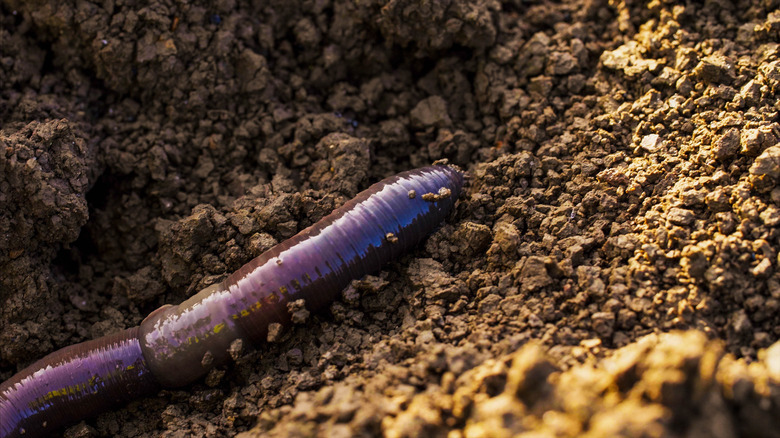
x=610 y=270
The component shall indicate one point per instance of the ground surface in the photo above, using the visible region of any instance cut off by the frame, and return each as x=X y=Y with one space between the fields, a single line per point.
x=624 y=171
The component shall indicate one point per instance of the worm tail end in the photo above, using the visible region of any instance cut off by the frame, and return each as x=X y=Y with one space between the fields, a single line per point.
x=74 y=383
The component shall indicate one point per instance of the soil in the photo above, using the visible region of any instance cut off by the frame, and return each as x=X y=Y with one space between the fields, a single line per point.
x=611 y=270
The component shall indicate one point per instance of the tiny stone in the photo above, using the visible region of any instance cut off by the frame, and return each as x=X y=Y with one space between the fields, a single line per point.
x=770 y=216
x=751 y=92
x=717 y=200
x=80 y=430
x=535 y=321
x=740 y=322
x=532 y=274
x=763 y=269
x=771 y=74
x=775 y=195
x=714 y=69
x=430 y=112
x=765 y=171
x=444 y=193
x=680 y=216
x=207 y=360
x=603 y=323
x=412 y=194
x=755 y=140
x=472 y=238
x=274 y=332
x=772 y=360
x=650 y=142
x=727 y=145
x=591 y=343
x=562 y=63
x=392 y=238
x=298 y=311
x=588 y=279
x=236 y=348
x=489 y=304
x=350 y=294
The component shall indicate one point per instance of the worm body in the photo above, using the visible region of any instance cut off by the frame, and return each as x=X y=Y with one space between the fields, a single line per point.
x=176 y=345
x=70 y=383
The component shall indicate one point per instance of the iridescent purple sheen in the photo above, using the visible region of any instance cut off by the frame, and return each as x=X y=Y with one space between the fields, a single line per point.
x=314 y=265
x=176 y=345
x=73 y=383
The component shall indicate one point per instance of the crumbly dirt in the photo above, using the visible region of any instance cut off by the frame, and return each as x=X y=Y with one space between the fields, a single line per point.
x=610 y=270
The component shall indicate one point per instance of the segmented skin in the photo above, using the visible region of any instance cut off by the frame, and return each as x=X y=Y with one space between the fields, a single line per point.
x=74 y=383
x=176 y=345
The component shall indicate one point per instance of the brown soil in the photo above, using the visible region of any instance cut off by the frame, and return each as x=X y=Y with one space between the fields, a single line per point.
x=624 y=167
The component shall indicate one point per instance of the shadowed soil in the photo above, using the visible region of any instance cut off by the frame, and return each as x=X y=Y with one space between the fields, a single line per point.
x=610 y=270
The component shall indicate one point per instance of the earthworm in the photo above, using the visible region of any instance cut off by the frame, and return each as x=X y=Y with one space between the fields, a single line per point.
x=176 y=345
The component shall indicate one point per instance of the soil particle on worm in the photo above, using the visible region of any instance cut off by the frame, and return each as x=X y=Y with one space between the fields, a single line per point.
x=611 y=268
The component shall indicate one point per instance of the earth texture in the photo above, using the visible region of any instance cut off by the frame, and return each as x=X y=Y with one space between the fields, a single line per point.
x=610 y=270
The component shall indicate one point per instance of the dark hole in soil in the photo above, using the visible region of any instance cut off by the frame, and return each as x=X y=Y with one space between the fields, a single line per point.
x=69 y=258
